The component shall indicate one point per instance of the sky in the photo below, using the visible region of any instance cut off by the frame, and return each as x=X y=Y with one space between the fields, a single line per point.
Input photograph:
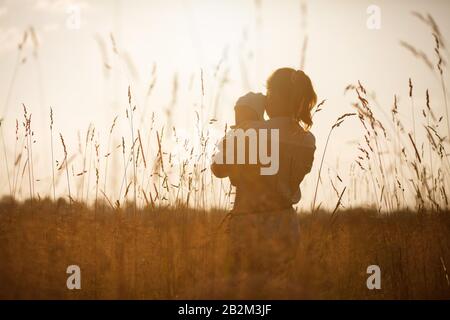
x=226 y=47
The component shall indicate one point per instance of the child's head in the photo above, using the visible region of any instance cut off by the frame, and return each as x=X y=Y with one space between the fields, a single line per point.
x=250 y=108
x=245 y=113
x=290 y=93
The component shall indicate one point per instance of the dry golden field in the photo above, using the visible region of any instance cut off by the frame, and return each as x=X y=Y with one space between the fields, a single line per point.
x=133 y=203
x=183 y=254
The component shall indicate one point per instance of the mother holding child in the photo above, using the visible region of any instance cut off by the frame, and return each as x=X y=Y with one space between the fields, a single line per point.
x=263 y=223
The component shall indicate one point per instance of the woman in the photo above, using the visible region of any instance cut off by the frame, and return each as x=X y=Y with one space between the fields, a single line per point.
x=263 y=222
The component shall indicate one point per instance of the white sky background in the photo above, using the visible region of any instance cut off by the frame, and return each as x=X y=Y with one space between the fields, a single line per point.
x=182 y=37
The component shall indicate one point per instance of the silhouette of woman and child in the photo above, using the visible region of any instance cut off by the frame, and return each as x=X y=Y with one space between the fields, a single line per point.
x=263 y=225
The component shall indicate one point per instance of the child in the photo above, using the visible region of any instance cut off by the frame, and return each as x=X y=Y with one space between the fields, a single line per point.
x=249 y=108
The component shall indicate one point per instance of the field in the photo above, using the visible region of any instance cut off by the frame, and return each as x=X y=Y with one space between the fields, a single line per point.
x=183 y=254
x=132 y=200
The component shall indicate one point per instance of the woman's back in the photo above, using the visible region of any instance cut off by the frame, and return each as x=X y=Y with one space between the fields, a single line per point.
x=263 y=193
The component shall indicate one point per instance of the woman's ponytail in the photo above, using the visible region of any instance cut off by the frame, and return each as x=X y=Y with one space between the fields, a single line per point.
x=303 y=98
x=297 y=91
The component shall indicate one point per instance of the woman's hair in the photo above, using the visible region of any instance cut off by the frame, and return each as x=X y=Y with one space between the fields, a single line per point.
x=295 y=89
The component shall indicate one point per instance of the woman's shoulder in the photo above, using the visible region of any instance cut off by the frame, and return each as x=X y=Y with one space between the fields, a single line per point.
x=310 y=139
x=302 y=137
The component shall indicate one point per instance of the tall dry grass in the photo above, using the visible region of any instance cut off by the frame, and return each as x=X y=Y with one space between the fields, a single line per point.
x=400 y=165
x=184 y=254
x=150 y=229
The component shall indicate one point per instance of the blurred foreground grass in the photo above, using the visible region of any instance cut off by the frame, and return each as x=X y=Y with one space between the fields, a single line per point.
x=182 y=254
